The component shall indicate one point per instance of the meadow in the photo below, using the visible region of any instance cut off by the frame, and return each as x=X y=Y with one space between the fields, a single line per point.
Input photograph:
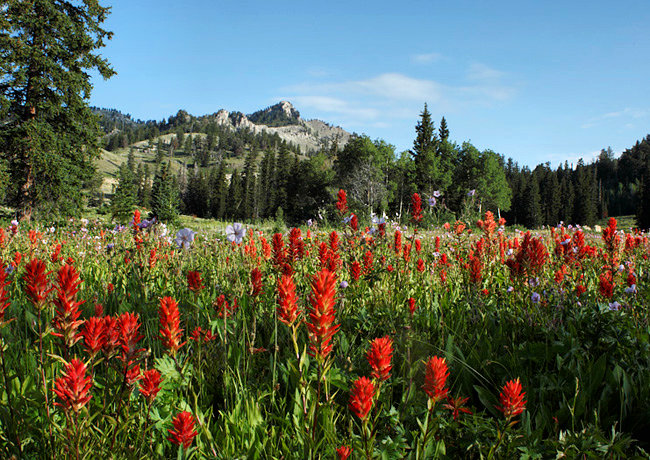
x=471 y=340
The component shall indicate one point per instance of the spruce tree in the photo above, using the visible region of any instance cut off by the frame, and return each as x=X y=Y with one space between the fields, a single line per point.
x=533 y=213
x=164 y=195
x=643 y=214
x=425 y=153
x=124 y=198
x=48 y=132
x=235 y=195
x=249 y=207
x=443 y=131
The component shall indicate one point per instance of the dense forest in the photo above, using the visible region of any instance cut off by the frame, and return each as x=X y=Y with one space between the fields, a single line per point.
x=458 y=180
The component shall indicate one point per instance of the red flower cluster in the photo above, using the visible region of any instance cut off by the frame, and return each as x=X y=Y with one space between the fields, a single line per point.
x=93 y=335
x=530 y=258
x=512 y=399
x=150 y=384
x=4 y=295
x=66 y=321
x=361 y=394
x=416 y=207
x=456 y=406
x=287 y=301
x=256 y=282
x=73 y=386
x=379 y=357
x=194 y=281
x=321 y=316
x=183 y=433
x=606 y=284
x=36 y=284
x=199 y=335
x=435 y=379
x=343 y=452
x=171 y=333
x=342 y=203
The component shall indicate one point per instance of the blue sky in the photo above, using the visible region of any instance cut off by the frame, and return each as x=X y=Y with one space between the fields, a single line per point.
x=535 y=81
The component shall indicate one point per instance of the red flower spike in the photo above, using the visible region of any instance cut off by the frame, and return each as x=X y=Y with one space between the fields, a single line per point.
x=66 y=322
x=256 y=282
x=412 y=306
x=170 y=330
x=456 y=406
x=93 y=335
x=321 y=316
x=342 y=203
x=183 y=433
x=73 y=386
x=37 y=286
x=416 y=208
x=128 y=337
x=150 y=384
x=194 y=281
x=435 y=379
x=361 y=396
x=379 y=357
x=512 y=399
x=343 y=452
x=287 y=301
x=4 y=295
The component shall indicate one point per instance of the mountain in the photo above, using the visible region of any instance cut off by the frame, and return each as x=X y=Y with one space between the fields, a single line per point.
x=285 y=121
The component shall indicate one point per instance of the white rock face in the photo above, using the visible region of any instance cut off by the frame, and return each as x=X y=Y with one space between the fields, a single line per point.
x=310 y=135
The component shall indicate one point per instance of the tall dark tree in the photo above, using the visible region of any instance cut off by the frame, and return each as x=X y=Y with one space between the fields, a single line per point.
x=443 y=131
x=643 y=213
x=48 y=133
x=164 y=195
x=249 y=206
x=533 y=213
x=124 y=198
x=425 y=153
x=235 y=196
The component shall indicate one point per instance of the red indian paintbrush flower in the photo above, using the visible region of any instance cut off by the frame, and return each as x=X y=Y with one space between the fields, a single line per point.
x=93 y=335
x=416 y=207
x=150 y=384
x=379 y=357
x=321 y=316
x=111 y=340
x=412 y=305
x=128 y=337
x=342 y=203
x=361 y=396
x=183 y=432
x=73 y=386
x=456 y=406
x=194 y=281
x=36 y=284
x=287 y=300
x=343 y=452
x=4 y=295
x=170 y=325
x=355 y=270
x=512 y=399
x=256 y=282
x=66 y=321
x=435 y=379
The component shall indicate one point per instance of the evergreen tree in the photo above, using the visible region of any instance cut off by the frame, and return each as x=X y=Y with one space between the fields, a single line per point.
x=643 y=213
x=164 y=195
x=218 y=191
x=282 y=171
x=249 y=208
x=235 y=196
x=266 y=189
x=48 y=133
x=425 y=154
x=443 y=130
x=533 y=213
x=160 y=151
x=124 y=198
x=585 y=196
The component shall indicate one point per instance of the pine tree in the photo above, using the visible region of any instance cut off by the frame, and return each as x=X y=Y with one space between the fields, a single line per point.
x=249 y=208
x=125 y=195
x=443 y=131
x=235 y=195
x=643 y=214
x=533 y=213
x=164 y=195
x=48 y=132
x=425 y=153
x=160 y=151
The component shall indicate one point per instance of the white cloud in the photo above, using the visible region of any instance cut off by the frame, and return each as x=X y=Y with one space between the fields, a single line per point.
x=625 y=114
x=478 y=71
x=426 y=58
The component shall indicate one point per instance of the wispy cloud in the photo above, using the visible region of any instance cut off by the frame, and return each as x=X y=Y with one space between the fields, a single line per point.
x=426 y=58
x=478 y=71
x=626 y=114
x=392 y=96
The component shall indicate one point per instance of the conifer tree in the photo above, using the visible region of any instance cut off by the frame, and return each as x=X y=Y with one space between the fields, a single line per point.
x=643 y=214
x=443 y=130
x=425 y=153
x=164 y=195
x=125 y=195
x=48 y=132
x=532 y=208
x=218 y=191
x=249 y=207
x=235 y=195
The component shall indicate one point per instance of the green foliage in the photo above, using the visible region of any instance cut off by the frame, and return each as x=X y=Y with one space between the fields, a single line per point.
x=164 y=195
x=124 y=198
x=49 y=135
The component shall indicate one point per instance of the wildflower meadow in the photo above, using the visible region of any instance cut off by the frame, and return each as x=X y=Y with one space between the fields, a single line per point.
x=470 y=340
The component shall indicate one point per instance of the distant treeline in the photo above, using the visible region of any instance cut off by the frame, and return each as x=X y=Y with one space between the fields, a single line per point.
x=456 y=181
